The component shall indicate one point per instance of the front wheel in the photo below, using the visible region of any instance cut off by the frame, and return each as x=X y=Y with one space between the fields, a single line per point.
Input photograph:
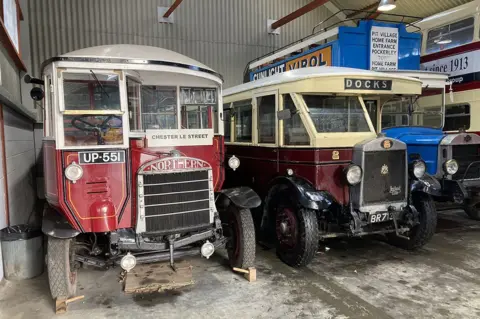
x=62 y=276
x=296 y=231
x=421 y=233
x=240 y=231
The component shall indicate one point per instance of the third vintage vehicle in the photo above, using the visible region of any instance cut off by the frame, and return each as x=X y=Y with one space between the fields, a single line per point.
x=134 y=163
x=308 y=147
x=452 y=159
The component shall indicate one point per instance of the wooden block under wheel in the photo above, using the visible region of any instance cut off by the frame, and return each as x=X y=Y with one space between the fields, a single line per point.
x=250 y=274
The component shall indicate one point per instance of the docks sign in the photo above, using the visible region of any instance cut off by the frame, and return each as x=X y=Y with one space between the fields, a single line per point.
x=383 y=48
x=369 y=85
x=311 y=58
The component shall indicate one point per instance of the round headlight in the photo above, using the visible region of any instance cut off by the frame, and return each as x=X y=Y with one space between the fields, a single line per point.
x=419 y=168
x=73 y=172
x=354 y=174
x=233 y=162
x=450 y=167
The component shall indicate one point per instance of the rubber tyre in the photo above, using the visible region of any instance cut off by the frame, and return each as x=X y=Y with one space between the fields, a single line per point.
x=423 y=232
x=242 y=254
x=306 y=245
x=61 y=278
x=473 y=211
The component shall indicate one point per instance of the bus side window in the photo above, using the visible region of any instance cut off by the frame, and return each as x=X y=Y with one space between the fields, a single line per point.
x=227 y=120
x=243 y=121
x=266 y=119
x=450 y=36
x=457 y=117
x=294 y=132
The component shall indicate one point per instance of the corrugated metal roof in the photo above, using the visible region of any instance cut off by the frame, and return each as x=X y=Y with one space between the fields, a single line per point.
x=417 y=8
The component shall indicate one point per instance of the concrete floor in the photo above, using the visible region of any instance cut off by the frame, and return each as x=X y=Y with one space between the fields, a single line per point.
x=355 y=279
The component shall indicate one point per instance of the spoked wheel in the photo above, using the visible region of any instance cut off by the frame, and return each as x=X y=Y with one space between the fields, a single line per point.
x=239 y=228
x=296 y=231
x=421 y=233
x=473 y=210
x=62 y=275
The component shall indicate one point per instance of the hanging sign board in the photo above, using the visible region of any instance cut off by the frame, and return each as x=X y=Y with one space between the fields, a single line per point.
x=383 y=48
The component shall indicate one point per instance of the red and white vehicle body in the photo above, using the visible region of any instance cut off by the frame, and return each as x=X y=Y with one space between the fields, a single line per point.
x=134 y=161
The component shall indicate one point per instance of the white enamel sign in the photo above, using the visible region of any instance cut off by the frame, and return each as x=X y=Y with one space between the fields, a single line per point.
x=384 y=48
x=460 y=68
x=190 y=137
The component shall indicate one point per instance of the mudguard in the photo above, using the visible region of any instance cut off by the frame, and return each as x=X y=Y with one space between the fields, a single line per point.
x=305 y=193
x=453 y=188
x=243 y=197
x=427 y=184
x=56 y=225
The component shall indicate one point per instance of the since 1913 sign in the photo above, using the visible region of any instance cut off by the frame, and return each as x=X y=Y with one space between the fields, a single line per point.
x=384 y=48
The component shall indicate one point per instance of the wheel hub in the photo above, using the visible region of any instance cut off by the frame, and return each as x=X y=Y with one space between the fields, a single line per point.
x=286 y=227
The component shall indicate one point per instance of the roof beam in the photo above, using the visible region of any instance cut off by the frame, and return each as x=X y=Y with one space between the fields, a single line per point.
x=175 y=4
x=297 y=13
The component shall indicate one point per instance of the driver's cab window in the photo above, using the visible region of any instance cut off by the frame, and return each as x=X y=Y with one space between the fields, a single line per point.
x=92 y=109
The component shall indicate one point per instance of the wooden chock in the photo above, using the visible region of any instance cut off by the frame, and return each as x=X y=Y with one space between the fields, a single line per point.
x=61 y=303
x=250 y=274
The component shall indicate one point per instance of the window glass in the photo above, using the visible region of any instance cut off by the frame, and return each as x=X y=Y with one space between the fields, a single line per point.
x=10 y=20
x=243 y=120
x=424 y=111
x=133 y=93
x=82 y=130
x=91 y=91
x=197 y=107
x=294 y=132
x=450 y=35
x=333 y=114
x=457 y=117
x=266 y=119
x=159 y=107
x=227 y=120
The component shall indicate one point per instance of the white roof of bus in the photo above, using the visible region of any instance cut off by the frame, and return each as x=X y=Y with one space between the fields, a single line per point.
x=458 y=13
x=308 y=73
x=136 y=52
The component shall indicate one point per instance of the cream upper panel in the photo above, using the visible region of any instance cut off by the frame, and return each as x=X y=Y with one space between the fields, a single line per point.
x=322 y=80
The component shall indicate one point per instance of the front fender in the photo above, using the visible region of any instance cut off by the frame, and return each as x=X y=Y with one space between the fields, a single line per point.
x=243 y=197
x=56 y=225
x=304 y=192
x=427 y=184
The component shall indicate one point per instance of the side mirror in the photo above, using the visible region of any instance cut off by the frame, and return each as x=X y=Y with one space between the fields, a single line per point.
x=284 y=114
x=37 y=94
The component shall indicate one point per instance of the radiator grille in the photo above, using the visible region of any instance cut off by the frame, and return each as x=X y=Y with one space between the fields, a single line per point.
x=466 y=155
x=176 y=201
x=387 y=187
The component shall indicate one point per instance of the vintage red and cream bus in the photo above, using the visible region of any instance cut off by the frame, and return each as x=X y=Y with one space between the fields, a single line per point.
x=450 y=44
x=134 y=163
x=309 y=148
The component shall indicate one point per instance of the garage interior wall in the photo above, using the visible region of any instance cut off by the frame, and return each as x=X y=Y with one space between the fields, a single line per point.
x=223 y=34
x=18 y=126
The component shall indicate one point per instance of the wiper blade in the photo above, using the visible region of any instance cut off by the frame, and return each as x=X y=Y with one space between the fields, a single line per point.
x=100 y=84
